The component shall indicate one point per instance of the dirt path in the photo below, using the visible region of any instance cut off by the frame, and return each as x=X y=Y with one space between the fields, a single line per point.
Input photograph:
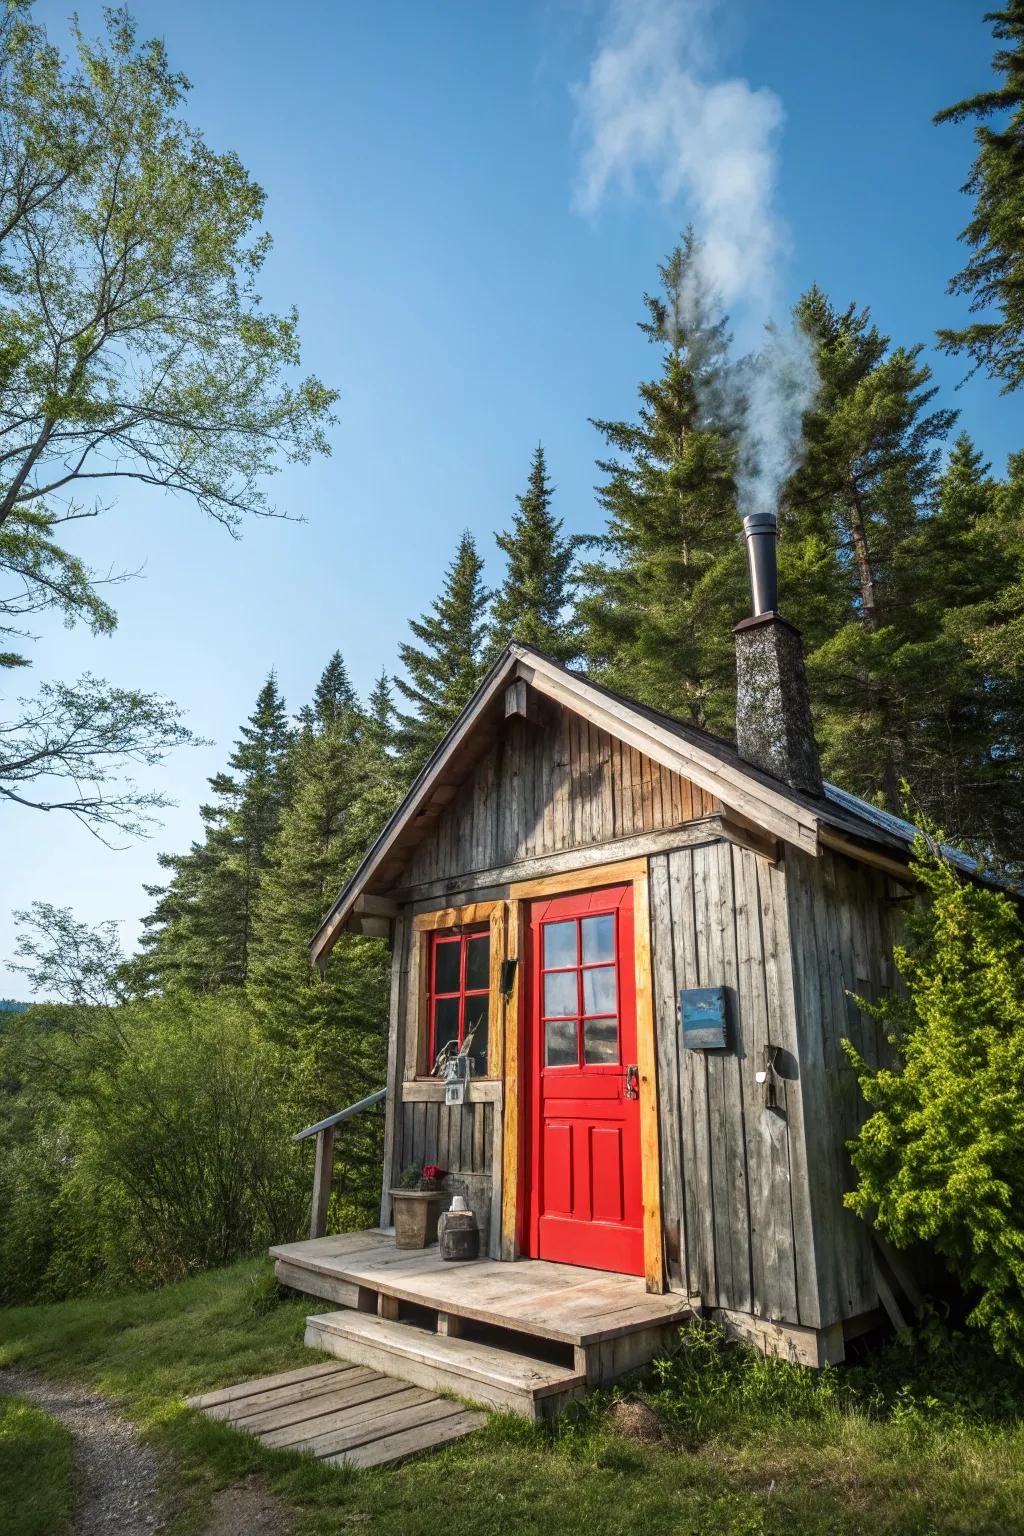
x=115 y=1476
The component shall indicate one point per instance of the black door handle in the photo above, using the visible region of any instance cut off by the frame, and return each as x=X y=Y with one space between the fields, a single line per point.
x=632 y=1081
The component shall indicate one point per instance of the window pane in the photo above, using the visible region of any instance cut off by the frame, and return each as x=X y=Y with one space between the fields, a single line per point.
x=559 y=944
x=560 y=994
x=478 y=963
x=446 y=972
x=599 y=990
x=476 y=1013
x=600 y=1041
x=598 y=938
x=560 y=1042
x=446 y=1023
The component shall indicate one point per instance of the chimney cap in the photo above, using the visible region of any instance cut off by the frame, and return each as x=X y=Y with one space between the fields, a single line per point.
x=755 y=620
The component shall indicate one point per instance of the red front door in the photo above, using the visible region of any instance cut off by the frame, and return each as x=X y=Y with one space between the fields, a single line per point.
x=583 y=1193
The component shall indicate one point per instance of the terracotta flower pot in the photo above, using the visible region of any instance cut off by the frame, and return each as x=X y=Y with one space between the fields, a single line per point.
x=416 y=1214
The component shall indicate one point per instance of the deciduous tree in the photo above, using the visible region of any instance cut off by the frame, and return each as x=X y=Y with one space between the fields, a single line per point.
x=133 y=343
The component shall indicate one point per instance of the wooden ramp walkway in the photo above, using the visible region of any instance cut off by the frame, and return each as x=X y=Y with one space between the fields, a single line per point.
x=342 y=1413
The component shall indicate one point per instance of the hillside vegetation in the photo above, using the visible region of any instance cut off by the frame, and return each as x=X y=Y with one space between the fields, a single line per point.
x=924 y=1439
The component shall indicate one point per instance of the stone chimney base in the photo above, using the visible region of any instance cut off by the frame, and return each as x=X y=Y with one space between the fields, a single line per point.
x=773 y=708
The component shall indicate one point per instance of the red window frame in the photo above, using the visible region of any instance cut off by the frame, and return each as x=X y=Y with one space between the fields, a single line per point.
x=463 y=940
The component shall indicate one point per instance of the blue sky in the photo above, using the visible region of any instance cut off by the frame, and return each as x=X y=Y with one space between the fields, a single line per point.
x=422 y=160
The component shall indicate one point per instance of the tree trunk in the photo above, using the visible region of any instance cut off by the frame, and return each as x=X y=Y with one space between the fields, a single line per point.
x=865 y=574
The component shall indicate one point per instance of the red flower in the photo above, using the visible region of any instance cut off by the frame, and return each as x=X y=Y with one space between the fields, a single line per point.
x=432 y=1171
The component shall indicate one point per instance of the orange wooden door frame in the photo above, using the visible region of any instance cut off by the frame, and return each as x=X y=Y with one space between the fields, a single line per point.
x=513 y=1159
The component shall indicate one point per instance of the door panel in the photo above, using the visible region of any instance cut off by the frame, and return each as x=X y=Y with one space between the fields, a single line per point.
x=606 y=1173
x=582 y=1175
x=558 y=1166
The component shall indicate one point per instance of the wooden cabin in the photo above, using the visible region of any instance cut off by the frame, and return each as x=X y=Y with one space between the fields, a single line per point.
x=656 y=937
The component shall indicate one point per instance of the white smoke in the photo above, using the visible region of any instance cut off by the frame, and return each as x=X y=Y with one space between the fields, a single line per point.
x=654 y=107
x=779 y=384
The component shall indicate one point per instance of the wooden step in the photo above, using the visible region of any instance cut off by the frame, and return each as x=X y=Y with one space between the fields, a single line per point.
x=341 y=1413
x=480 y=1373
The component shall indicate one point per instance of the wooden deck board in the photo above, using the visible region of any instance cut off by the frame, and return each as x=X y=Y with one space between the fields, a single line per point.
x=413 y=1442
x=341 y=1414
x=369 y=1390
x=308 y=1435
x=283 y=1397
x=309 y=1373
x=563 y=1302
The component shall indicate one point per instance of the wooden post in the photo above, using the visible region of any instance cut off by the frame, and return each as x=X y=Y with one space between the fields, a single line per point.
x=322 y=1175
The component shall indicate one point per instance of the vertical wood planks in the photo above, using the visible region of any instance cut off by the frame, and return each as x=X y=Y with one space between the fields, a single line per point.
x=698 y=1189
x=396 y=1058
x=725 y=1156
x=545 y=788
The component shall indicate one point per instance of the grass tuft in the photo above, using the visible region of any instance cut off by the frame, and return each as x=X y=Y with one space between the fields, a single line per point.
x=35 y=1471
x=926 y=1438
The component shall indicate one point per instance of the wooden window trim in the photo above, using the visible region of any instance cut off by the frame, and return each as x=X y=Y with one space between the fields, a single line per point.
x=572 y=880
x=451 y=919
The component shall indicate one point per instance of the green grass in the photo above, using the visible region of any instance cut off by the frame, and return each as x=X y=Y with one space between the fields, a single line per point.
x=35 y=1471
x=924 y=1440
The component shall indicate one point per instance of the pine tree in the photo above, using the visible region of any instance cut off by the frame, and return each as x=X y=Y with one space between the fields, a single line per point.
x=444 y=669
x=975 y=586
x=659 y=609
x=334 y=695
x=331 y=1026
x=992 y=276
x=852 y=520
x=534 y=600
x=200 y=930
x=380 y=781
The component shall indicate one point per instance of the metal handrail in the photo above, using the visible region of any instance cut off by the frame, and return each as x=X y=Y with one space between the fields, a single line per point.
x=343 y=1114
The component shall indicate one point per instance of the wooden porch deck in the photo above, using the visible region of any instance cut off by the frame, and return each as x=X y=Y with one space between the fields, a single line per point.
x=561 y=1302
x=526 y=1336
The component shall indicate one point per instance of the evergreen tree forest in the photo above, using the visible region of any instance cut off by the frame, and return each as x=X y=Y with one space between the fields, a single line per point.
x=901 y=556
x=901 y=560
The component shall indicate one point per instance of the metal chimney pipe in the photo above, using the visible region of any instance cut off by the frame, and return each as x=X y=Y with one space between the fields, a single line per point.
x=760 y=530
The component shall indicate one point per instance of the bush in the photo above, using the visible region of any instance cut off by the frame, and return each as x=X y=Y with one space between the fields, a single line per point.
x=708 y=1384
x=941 y=1158
x=145 y=1142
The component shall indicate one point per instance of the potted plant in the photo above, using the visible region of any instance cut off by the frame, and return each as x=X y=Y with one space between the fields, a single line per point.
x=417 y=1201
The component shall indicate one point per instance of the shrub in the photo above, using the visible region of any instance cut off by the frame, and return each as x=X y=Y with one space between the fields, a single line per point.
x=153 y=1142
x=708 y=1383
x=941 y=1158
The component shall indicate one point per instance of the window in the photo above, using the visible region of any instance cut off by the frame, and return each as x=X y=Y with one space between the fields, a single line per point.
x=579 y=992
x=458 y=995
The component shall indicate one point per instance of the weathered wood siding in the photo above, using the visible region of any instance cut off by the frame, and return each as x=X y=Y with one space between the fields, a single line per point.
x=752 y=1196
x=844 y=920
x=736 y=1226
x=543 y=789
x=460 y=1139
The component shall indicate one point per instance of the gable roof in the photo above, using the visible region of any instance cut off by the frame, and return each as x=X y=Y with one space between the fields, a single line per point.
x=708 y=761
